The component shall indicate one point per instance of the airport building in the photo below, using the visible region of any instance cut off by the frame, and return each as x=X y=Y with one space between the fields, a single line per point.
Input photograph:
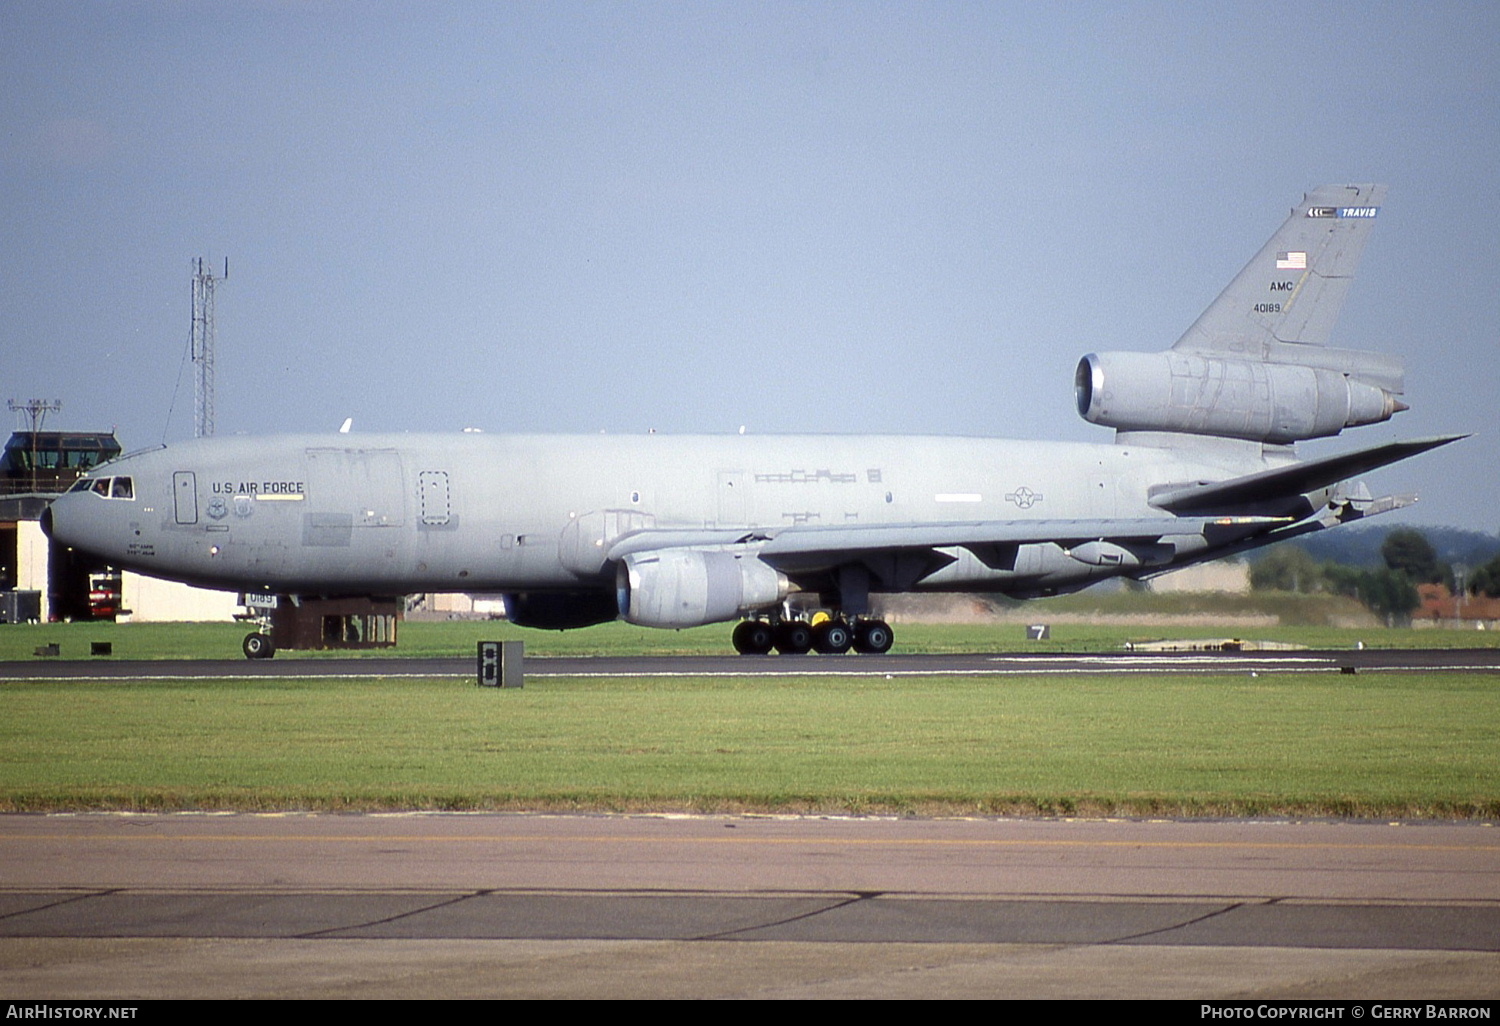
x=1222 y=576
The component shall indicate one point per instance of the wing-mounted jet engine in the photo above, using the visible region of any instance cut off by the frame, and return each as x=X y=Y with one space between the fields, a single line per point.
x=687 y=587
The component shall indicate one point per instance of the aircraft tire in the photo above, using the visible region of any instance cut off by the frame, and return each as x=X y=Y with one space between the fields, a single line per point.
x=832 y=637
x=753 y=637
x=259 y=646
x=873 y=637
x=794 y=637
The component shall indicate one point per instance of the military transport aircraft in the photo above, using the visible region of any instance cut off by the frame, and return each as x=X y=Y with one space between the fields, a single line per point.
x=670 y=531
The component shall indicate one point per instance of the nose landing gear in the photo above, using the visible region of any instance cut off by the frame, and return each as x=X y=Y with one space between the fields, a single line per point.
x=259 y=646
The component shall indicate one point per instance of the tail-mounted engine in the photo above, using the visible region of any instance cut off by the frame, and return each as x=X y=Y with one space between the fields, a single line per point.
x=1300 y=392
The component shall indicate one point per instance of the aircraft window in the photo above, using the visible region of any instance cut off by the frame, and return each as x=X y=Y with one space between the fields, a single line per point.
x=123 y=488
x=101 y=485
x=83 y=484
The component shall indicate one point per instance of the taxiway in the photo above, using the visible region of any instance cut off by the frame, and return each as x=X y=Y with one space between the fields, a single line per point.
x=550 y=906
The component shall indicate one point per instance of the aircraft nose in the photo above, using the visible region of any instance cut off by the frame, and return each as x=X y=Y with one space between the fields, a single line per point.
x=56 y=518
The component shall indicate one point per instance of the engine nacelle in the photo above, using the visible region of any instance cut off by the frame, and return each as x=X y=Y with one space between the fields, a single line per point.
x=690 y=587
x=1209 y=395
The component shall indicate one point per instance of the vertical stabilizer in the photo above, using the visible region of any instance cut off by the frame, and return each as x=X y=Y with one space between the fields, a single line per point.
x=1293 y=290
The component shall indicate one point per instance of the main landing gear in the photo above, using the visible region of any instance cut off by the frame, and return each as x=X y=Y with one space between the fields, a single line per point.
x=798 y=637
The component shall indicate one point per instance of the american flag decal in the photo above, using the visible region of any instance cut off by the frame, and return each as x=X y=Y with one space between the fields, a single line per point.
x=1291 y=261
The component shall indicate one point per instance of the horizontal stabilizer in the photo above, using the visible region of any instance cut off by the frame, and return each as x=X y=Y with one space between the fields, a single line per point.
x=1295 y=479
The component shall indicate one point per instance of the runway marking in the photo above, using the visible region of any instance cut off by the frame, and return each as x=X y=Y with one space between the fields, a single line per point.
x=1039 y=664
x=641 y=674
x=236 y=676
x=1183 y=658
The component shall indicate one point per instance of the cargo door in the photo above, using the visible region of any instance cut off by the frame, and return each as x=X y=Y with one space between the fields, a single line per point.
x=351 y=489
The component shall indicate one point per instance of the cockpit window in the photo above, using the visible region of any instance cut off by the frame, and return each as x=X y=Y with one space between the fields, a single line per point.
x=122 y=487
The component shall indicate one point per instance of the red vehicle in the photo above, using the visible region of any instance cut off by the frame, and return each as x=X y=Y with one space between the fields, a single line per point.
x=104 y=595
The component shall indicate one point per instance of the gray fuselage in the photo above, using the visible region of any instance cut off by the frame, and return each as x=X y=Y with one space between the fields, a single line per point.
x=398 y=514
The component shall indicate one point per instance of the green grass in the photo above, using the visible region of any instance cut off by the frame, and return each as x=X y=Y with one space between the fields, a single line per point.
x=458 y=638
x=1397 y=745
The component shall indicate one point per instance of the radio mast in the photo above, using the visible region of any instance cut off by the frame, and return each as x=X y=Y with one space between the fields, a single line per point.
x=36 y=411
x=203 y=347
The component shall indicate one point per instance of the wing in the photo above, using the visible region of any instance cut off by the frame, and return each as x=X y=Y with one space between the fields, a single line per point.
x=1289 y=482
x=1208 y=518
x=901 y=554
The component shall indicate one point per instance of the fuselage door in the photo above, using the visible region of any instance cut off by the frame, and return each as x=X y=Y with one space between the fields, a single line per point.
x=432 y=489
x=185 y=496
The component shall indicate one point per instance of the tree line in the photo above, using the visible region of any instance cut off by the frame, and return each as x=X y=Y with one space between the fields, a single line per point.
x=1390 y=591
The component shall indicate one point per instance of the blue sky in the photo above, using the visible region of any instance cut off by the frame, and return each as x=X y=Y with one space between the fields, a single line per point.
x=907 y=217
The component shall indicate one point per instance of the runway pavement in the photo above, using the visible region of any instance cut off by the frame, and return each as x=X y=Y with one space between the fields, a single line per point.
x=141 y=906
x=1477 y=660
